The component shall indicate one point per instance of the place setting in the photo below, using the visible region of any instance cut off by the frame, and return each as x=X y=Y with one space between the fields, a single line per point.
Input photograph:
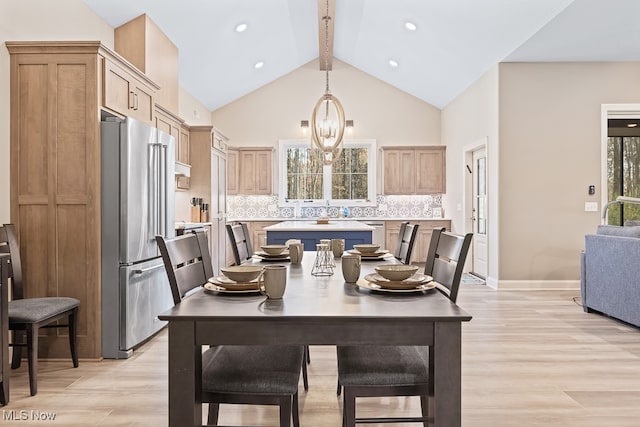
x=236 y=279
x=370 y=252
x=397 y=278
x=277 y=253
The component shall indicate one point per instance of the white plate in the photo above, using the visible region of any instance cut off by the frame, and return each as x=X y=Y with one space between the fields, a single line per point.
x=211 y=287
x=225 y=280
x=376 y=254
x=411 y=282
x=375 y=287
x=263 y=254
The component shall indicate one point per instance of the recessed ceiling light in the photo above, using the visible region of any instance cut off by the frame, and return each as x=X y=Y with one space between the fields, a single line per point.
x=410 y=26
x=393 y=63
x=632 y=125
x=241 y=27
x=258 y=65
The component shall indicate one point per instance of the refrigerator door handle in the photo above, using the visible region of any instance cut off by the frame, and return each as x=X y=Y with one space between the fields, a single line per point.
x=146 y=270
x=162 y=186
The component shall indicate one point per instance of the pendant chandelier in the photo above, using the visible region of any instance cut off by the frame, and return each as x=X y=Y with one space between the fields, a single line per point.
x=327 y=119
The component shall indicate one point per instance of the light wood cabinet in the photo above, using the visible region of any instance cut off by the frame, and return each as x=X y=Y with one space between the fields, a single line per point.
x=55 y=178
x=168 y=122
x=184 y=156
x=232 y=171
x=254 y=170
x=421 y=245
x=414 y=170
x=127 y=92
x=141 y=42
x=258 y=234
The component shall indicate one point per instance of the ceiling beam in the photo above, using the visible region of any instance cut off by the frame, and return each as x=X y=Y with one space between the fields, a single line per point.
x=322 y=38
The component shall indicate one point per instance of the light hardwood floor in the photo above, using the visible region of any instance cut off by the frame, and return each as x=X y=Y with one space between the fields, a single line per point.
x=529 y=359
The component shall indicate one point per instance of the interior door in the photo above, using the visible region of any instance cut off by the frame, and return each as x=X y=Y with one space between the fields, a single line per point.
x=479 y=209
x=218 y=209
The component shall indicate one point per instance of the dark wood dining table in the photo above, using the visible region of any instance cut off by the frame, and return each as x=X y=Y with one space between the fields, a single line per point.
x=315 y=310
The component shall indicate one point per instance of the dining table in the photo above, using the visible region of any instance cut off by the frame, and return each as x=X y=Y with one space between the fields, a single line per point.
x=315 y=310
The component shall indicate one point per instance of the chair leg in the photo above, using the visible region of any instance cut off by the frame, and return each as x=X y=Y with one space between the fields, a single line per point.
x=16 y=358
x=424 y=406
x=296 y=411
x=285 y=412
x=339 y=390
x=212 y=418
x=32 y=357
x=305 y=378
x=349 y=409
x=308 y=353
x=73 y=323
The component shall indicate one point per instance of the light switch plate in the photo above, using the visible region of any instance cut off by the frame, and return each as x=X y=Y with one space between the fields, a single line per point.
x=591 y=206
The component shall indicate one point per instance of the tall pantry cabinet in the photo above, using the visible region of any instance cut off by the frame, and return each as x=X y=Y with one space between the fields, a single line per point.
x=58 y=90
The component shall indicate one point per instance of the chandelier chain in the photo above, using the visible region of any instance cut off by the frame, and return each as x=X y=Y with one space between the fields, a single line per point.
x=326 y=46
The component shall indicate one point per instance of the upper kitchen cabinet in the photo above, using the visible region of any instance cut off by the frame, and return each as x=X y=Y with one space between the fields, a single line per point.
x=183 y=158
x=254 y=170
x=143 y=43
x=128 y=92
x=232 y=171
x=414 y=170
x=168 y=122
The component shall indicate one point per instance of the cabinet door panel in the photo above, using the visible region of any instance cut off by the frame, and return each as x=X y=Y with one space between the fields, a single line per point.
x=430 y=171
x=117 y=89
x=263 y=172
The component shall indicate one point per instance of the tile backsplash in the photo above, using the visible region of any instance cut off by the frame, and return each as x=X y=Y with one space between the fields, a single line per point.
x=387 y=206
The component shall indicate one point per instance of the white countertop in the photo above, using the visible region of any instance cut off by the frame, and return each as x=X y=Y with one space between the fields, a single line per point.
x=366 y=219
x=182 y=225
x=333 y=225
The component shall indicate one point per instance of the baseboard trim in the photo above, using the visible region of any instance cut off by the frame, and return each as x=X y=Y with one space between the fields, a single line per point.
x=535 y=285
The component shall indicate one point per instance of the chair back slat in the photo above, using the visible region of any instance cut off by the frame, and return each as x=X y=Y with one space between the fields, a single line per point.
x=398 y=248
x=9 y=244
x=187 y=261
x=406 y=242
x=445 y=260
x=240 y=242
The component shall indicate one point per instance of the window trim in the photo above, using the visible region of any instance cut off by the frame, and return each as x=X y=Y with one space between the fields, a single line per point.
x=371 y=144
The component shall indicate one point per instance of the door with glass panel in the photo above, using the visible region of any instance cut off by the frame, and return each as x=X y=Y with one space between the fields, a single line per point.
x=623 y=168
x=479 y=209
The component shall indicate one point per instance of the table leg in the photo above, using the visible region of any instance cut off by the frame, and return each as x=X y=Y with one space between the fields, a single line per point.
x=185 y=376
x=447 y=375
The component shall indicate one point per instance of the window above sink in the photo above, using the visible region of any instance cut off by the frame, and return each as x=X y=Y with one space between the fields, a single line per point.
x=350 y=180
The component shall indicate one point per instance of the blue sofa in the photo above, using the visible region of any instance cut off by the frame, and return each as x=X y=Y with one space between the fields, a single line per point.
x=610 y=273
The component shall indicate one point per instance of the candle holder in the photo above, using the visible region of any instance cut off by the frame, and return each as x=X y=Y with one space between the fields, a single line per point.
x=323 y=264
x=328 y=243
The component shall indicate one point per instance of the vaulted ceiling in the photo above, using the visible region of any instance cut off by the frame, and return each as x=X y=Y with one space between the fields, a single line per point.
x=454 y=43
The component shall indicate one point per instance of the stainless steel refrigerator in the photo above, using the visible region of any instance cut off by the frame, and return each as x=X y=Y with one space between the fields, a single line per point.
x=137 y=204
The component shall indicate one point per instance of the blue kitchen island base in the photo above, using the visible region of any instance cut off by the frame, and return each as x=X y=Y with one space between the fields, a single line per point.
x=312 y=238
x=310 y=233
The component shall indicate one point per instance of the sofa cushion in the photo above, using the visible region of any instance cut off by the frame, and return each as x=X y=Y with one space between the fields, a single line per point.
x=616 y=230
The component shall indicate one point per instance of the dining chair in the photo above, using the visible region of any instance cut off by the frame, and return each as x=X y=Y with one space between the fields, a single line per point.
x=240 y=242
x=234 y=374
x=28 y=315
x=382 y=371
x=406 y=241
x=242 y=252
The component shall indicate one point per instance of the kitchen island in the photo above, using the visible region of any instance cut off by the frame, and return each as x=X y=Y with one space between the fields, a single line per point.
x=310 y=232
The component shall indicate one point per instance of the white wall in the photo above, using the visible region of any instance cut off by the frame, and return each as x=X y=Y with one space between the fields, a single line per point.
x=38 y=20
x=550 y=142
x=379 y=110
x=470 y=117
